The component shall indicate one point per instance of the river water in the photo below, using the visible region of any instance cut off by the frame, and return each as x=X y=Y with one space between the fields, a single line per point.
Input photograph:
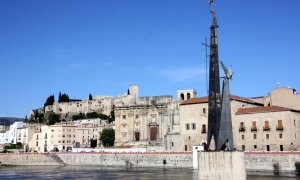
x=94 y=172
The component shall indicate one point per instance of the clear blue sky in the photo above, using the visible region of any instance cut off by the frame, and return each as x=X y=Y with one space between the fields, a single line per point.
x=101 y=46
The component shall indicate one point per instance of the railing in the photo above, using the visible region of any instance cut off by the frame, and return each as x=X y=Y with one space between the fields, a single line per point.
x=279 y=128
x=253 y=129
x=267 y=128
x=242 y=129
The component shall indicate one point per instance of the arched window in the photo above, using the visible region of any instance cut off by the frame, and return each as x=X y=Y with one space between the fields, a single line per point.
x=188 y=95
x=182 y=96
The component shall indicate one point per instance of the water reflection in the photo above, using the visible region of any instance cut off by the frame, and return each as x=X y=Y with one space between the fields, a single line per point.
x=94 y=172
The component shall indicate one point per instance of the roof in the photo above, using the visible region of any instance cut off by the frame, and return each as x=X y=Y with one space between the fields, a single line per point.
x=265 y=109
x=204 y=99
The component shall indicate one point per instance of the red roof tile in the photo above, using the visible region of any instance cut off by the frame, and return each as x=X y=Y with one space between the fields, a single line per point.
x=261 y=110
x=204 y=99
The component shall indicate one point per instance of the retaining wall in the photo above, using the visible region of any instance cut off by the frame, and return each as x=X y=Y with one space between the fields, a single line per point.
x=27 y=159
x=255 y=161
x=264 y=161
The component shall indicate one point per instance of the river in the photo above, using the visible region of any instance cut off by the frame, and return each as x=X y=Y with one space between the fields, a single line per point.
x=112 y=173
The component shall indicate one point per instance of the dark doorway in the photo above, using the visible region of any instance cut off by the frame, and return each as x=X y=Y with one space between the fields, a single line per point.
x=268 y=147
x=185 y=147
x=281 y=147
x=93 y=143
x=153 y=133
x=137 y=136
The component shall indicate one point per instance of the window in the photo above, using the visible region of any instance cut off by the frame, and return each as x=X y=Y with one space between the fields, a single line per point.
x=279 y=126
x=37 y=144
x=243 y=147
x=187 y=126
x=267 y=127
x=124 y=116
x=243 y=136
x=136 y=116
x=253 y=128
x=203 y=110
x=268 y=147
x=242 y=127
x=280 y=136
x=193 y=126
x=182 y=96
x=281 y=147
x=203 y=131
x=188 y=95
x=255 y=146
x=172 y=144
x=254 y=136
x=294 y=122
x=267 y=136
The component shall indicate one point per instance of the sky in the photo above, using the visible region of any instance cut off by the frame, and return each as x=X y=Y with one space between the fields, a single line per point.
x=100 y=47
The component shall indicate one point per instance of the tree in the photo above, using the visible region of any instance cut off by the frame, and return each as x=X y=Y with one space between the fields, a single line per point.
x=91 y=115
x=50 y=101
x=90 y=97
x=53 y=118
x=78 y=116
x=107 y=137
x=63 y=98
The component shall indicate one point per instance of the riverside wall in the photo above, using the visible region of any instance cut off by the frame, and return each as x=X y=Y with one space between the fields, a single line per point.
x=255 y=161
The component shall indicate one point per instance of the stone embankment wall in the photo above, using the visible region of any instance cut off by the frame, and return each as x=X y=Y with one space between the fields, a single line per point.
x=255 y=161
x=129 y=159
x=264 y=161
x=28 y=159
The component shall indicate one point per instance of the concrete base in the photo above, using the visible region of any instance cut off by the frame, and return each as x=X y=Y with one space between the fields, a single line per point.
x=222 y=165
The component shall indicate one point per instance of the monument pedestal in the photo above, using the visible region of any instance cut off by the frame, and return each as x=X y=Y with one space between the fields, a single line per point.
x=222 y=165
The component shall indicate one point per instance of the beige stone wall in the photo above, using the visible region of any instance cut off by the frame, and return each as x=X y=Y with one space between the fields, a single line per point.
x=290 y=133
x=193 y=114
x=132 y=119
x=285 y=97
x=62 y=136
x=222 y=165
x=198 y=114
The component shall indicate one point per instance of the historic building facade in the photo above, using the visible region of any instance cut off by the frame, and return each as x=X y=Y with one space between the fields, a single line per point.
x=141 y=124
x=270 y=128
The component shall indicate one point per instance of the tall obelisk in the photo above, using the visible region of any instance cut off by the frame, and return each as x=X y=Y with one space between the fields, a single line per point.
x=214 y=98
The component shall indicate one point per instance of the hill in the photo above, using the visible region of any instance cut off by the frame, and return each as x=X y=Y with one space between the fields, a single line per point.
x=10 y=120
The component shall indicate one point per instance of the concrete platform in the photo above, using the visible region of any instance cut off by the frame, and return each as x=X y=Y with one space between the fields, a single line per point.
x=222 y=165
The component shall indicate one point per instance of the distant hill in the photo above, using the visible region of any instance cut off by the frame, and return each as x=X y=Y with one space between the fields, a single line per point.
x=10 y=120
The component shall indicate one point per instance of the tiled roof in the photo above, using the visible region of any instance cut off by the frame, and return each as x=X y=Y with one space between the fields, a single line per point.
x=205 y=100
x=262 y=110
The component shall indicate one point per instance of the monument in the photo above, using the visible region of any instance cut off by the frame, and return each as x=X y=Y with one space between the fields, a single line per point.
x=219 y=115
x=223 y=162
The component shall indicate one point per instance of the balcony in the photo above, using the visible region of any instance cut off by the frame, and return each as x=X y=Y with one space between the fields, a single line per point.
x=279 y=128
x=242 y=129
x=267 y=128
x=253 y=129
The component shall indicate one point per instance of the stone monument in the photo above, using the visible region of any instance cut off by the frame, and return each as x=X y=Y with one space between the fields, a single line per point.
x=223 y=162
